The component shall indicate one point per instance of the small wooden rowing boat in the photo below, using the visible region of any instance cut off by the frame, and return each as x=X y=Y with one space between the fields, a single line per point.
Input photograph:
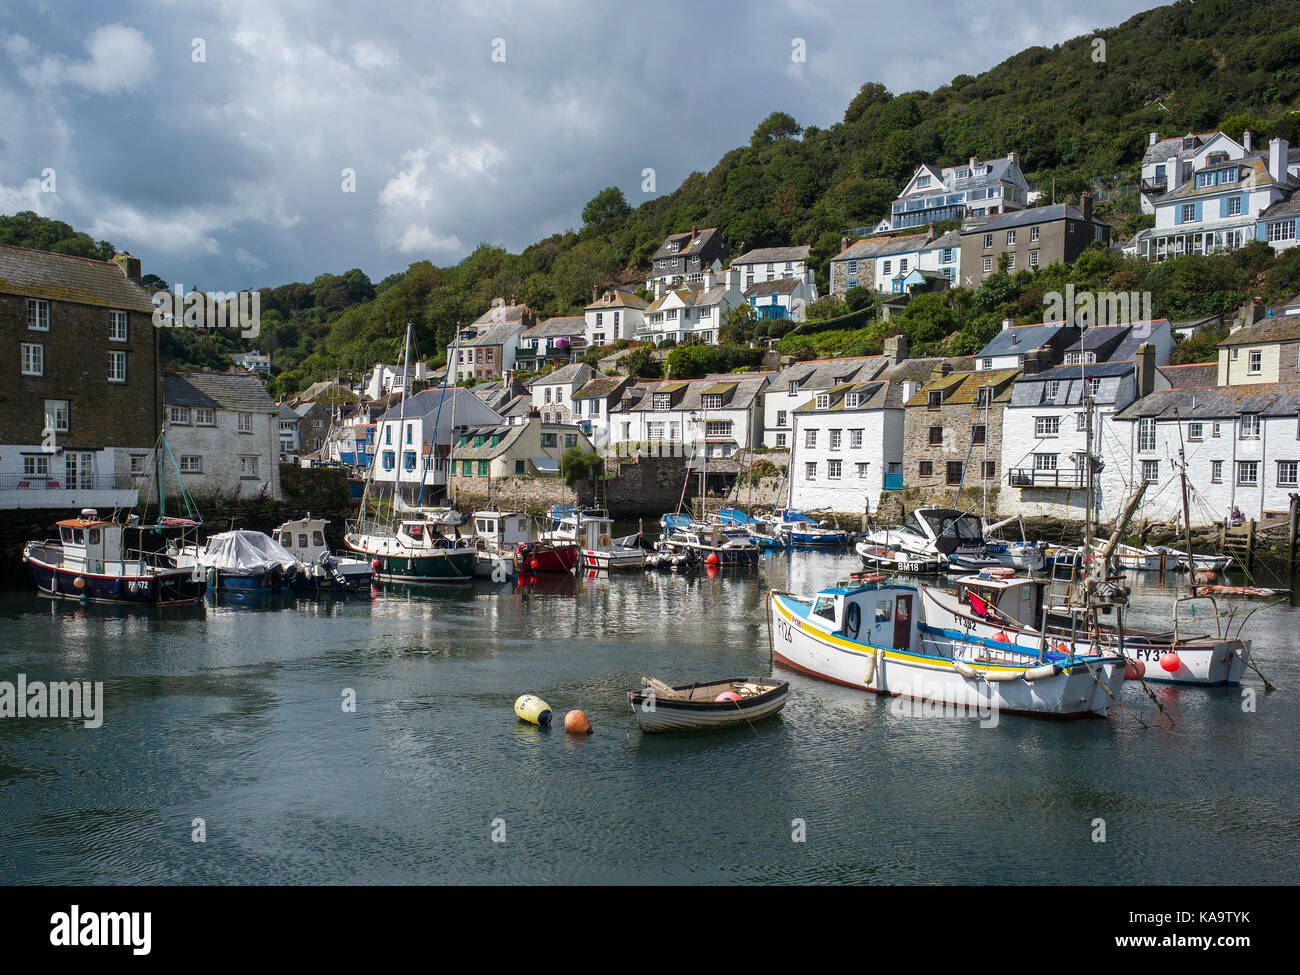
x=1250 y=592
x=696 y=707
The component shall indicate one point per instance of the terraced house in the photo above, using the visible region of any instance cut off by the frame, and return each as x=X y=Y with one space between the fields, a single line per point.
x=224 y=431
x=485 y=454
x=718 y=414
x=82 y=404
x=1029 y=239
x=616 y=314
x=1263 y=349
x=978 y=188
x=683 y=258
x=953 y=428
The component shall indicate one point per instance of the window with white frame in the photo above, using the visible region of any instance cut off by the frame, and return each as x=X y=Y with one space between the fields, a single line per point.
x=1195 y=431
x=986 y=363
x=1033 y=258
x=810 y=470
x=851 y=400
x=178 y=415
x=711 y=401
x=205 y=416
x=36 y=465
x=1081 y=421
x=662 y=402
x=1247 y=473
x=33 y=359
x=117 y=326
x=781 y=418
x=248 y=465
x=780 y=439
x=1146 y=434
x=855 y=438
x=1047 y=426
x=836 y=437
x=833 y=469
x=1045 y=462
x=1216 y=472
x=1287 y=471
x=117 y=367
x=1249 y=427
x=1254 y=361
x=38 y=315
x=1215 y=428
x=718 y=428
x=823 y=401
x=245 y=422
x=1051 y=390
x=191 y=463
x=988 y=265
x=1033 y=235
x=1150 y=471
x=56 y=415
x=810 y=438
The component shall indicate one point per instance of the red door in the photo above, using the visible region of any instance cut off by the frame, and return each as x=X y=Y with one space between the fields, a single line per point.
x=903 y=623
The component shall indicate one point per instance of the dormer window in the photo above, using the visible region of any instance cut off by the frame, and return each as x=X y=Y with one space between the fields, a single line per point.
x=851 y=400
x=823 y=401
x=794 y=388
x=712 y=401
x=663 y=402
x=934 y=399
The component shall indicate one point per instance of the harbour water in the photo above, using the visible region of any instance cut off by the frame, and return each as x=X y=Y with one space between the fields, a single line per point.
x=234 y=714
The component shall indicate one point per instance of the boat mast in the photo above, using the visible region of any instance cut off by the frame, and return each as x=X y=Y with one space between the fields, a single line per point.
x=401 y=416
x=1187 y=521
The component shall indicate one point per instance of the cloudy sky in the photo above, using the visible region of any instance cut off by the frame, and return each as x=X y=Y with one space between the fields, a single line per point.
x=211 y=140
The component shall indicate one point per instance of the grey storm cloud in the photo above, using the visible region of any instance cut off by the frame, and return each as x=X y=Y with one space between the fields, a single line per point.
x=228 y=171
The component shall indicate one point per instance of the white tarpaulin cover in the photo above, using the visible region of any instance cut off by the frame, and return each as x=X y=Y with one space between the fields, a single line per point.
x=245 y=551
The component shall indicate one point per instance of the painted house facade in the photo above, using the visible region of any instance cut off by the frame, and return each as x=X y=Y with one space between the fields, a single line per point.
x=978 y=188
x=224 y=432
x=596 y=403
x=1045 y=343
x=487 y=348
x=1262 y=350
x=768 y=264
x=797 y=385
x=872 y=263
x=718 y=414
x=698 y=310
x=412 y=443
x=1029 y=239
x=616 y=314
x=1240 y=444
x=554 y=341
x=552 y=394
x=488 y=453
x=684 y=258
x=82 y=403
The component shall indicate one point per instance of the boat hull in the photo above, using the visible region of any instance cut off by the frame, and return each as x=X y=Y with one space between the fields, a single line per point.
x=613 y=560
x=447 y=565
x=661 y=714
x=160 y=588
x=549 y=557
x=928 y=675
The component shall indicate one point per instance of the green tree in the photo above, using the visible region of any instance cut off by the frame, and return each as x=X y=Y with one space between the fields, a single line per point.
x=778 y=125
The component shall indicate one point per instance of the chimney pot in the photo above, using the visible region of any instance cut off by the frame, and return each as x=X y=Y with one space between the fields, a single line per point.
x=129 y=265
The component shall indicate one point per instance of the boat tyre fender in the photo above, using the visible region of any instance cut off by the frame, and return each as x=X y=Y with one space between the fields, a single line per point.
x=1043 y=672
x=853 y=622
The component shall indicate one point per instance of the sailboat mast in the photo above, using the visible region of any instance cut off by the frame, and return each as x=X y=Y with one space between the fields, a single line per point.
x=1187 y=521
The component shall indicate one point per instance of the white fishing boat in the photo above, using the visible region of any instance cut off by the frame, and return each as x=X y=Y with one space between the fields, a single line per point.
x=1024 y=555
x=319 y=569
x=1214 y=563
x=1137 y=559
x=600 y=551
x=869 y=636
x=885 y=558
x=927 y=533
x=1010 y=609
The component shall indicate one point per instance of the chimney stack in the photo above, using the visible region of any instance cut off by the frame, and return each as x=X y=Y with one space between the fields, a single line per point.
x=940 y=370
x=1245 y=140
x=1085 y=206
x=844 y=244
x=130 y=265
x=973 y=161
x=1152 y=139
x=1250 y=313
x=1006 y=324
x=1277 y=159
x=593 y=294
x=1146 y=367
x=896 y=349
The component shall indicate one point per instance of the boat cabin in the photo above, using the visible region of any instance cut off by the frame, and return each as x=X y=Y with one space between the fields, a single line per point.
x=305 y=538
x=1000 y=595
x=91 y=544
x=422 y=533
x=596 y=533
x=505 y=528
x=882 y=616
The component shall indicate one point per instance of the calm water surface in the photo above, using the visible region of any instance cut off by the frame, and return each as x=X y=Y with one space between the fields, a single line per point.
x=232 y=713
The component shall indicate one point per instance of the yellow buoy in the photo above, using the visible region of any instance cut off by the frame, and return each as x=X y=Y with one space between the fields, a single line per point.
x=577 y=722
x=533 y=709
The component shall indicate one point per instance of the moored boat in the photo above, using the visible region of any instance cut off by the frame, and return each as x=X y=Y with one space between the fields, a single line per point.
x=600 y=551
x=707 y=706
x=90 y=561
x=869 y=636
x=319 y=569
x=887 y=558
x=797 y=529
x=414 y=551
x=240 y=561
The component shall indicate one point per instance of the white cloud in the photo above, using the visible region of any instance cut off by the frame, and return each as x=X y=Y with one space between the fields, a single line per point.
x=121 y=59
x=250 y=261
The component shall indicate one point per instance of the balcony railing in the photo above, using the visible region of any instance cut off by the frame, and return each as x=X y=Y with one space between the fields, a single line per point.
x=50 y=482
x=1065 y=477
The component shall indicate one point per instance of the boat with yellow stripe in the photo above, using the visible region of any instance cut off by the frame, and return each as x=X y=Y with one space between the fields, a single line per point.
x=870 y=635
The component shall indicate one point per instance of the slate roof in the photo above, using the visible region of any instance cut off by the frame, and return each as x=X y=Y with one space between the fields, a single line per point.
x=688 y=246
x=919 y=370
x=1192 y=374
x=873 y=247
x=618 y=299
x=1019 y=339
x=502 y=333
x=1257 y=176
x=691 y=297
x=1173 y=146
x=960 y=387
x=503 y=313
x=873 y=395
x=241 y=391
x=748 y=387
x=60 y=277
x=573 y=372
x=825 y=373
x=1115 y=342
x=1284 y=209
x=783 y=286
x=602 y=387
x=1034 y=215
x=1090 y=370
x=772 y=255
x=1216 y=402
x=336 y=392
x=999 y=172
x=557 y=326
x=1274 y=328
x=425 y=403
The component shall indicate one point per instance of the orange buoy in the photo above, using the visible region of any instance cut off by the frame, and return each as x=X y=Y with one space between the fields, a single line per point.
x=1134 y=670
x=79 y=582
x=1001 y=637
x=1062 y=648
x=1169 y=662
x=728 y=696
x=577 y=722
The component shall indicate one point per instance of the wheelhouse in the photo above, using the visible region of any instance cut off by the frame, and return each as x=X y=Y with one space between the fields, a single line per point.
x=1016 y=599
x=882 y=616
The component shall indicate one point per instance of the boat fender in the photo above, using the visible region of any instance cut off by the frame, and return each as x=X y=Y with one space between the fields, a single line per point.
x=604 y=541
x=871 y=667
x=965 y=669
x=79 y=582
x=533 y=710
x=1134 y=670
x=998 y=676
x=1043 y=672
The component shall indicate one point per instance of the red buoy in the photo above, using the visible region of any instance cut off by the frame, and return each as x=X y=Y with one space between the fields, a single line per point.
x=532 y=563
x=1170 y=662
x=712 y=559
x=1001 y=637
x=1134 y=669
x=375 y=565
